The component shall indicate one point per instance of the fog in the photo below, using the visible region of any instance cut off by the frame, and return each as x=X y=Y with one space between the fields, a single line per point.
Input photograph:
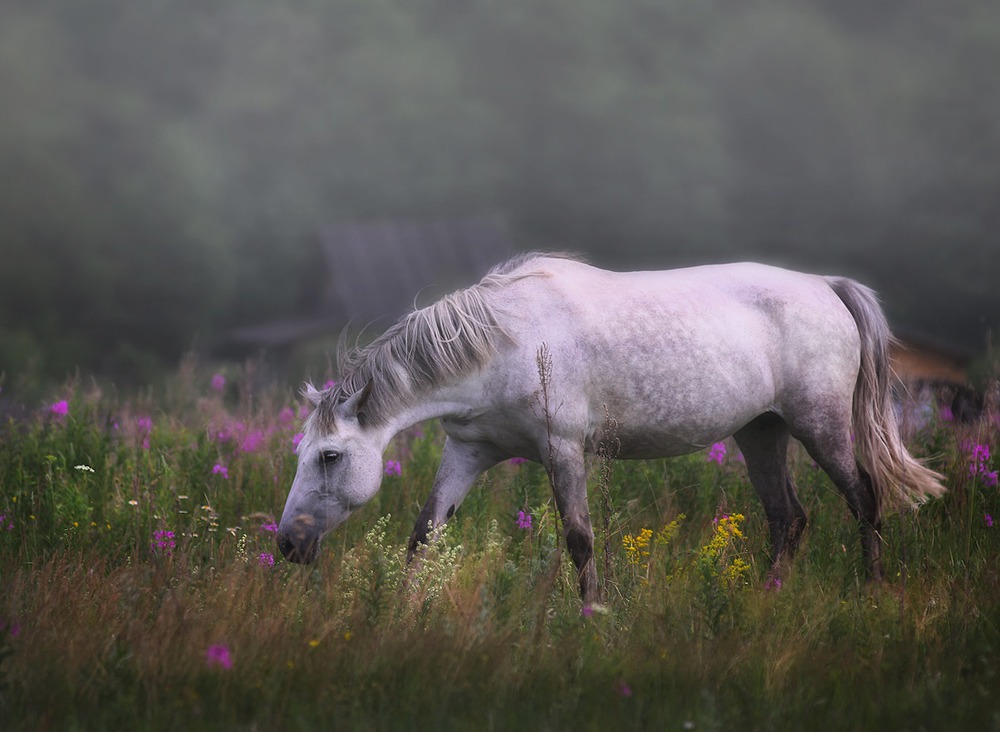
x=170 y=164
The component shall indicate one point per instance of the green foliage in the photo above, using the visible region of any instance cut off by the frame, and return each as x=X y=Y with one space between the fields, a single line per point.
x=124 y=557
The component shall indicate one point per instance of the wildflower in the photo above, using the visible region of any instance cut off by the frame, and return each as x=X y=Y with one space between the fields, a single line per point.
x=145 y=424
x=60 y=408
x=392 y=467
x=314 y=643
x=13 y=629
x=717 y=452
x=133 y=502
x=988 y=520
x=265 y=559
x=330 y=383
x=286 y=415
x=253 y=440
x=517 y=461
x=163 y=540
x=218 y=382
x=524 y=520
x=623 y=689
x=219 y=469
x=6 y=523
x=218 y=655
x=979 y=466
x=271 y=528
x=83 y=468
x=296 y=439
x=637 y=547
x=773 y=583
x=587 y=611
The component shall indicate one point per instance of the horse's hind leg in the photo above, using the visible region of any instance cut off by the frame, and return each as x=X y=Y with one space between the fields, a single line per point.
x=827 y=439
x=764 y=443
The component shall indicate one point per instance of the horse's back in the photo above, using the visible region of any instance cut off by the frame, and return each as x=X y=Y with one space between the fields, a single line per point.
x=681 y=357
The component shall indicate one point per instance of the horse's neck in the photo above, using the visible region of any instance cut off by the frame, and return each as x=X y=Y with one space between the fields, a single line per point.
x=432 y=406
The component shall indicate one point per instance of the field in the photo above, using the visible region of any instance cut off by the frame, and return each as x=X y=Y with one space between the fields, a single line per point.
x=141 y=587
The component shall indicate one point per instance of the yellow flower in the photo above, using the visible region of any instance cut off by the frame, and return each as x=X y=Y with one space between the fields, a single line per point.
x=313 y=643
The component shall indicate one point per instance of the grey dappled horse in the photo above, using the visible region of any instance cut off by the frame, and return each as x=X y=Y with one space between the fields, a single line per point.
x=678 y=359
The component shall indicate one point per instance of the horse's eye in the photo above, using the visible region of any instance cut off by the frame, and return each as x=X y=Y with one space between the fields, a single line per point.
x=329 y=457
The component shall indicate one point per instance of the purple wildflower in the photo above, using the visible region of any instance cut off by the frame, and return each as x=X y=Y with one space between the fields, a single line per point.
x=286 y=415
x=773 y=583
x=587 y=611
x=623 y=689
x=330 y=383
x=253 y=440
x=163 y=540
x=979 y=466
x=218 y=382
x=13 y=629
x=988 y=520
x=524 y=520
x=265 y=559
x=60 y=408
x=296 y=439
x=6 y=523
x=717 y=452
x=270 y=528
x=218 y=655
x=517 y=460
x=220 y=469
x=392 y=467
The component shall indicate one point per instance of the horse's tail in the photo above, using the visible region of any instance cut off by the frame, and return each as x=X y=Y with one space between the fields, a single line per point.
x=898 y=479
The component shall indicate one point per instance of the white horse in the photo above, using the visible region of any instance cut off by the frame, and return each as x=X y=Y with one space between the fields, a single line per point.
x=679 y=359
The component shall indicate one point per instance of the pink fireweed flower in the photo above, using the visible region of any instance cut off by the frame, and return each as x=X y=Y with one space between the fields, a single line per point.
x=392 y=467
x=265 y=559
x=979 y=466
x=60 y=408
x=286 y=415
x=330 y=383
x=587 y=611
x=988 y=520
x=218 y=382
x=773 y=583
x=253 y=440
x=296 y=439
x=271 y=528
x=517 y=461
x=717 y=452
x=163 y=541
x=524 y=520
x=219 y=469
x=218 y=655
x=6 y=523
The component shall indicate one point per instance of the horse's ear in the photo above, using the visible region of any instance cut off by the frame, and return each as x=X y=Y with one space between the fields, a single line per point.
x=355 y=404
x=311 y=393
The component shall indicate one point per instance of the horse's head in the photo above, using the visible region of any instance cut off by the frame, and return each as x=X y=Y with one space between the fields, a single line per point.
x=340 y=468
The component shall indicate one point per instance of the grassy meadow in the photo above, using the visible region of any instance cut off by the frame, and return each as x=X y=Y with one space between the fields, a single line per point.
x=140 y=587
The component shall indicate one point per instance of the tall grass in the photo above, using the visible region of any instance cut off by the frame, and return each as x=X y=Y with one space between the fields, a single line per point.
x=137 y=534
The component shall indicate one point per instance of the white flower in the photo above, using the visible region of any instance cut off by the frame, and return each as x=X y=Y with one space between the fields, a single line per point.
x=84 y=468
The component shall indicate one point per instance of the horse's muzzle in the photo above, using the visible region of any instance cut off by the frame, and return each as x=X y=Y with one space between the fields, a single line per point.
x=303 y=552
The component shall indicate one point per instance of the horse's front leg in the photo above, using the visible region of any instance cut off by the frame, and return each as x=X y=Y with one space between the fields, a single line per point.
x=568 y=473
x=461 y=464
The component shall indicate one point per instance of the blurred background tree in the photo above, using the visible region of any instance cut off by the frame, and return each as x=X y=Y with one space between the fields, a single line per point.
x=168 y=164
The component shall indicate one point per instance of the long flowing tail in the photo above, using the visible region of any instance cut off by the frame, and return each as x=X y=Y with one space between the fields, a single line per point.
x=898 y=479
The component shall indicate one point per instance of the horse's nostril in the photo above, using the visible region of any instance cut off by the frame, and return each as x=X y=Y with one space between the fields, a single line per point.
x=298 y=553
x=286 y=547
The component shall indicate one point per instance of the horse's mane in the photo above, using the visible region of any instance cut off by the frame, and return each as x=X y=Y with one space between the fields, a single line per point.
x=428 y=347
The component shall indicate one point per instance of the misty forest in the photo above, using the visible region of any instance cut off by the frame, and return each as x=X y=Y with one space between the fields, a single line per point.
x=168 y=165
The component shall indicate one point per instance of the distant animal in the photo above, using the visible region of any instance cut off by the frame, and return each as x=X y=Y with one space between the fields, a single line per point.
x=679 y=359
